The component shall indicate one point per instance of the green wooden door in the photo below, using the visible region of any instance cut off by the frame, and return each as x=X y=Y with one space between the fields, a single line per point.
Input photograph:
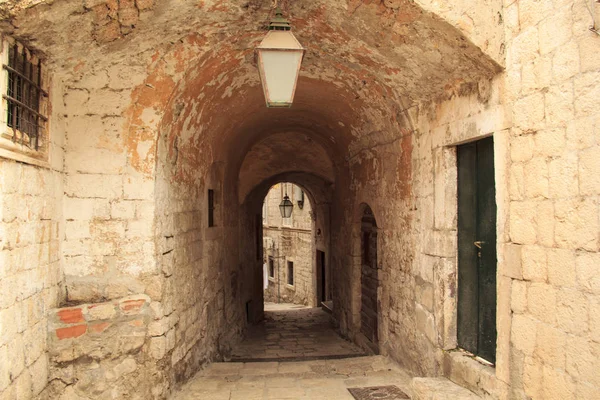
x=477 y=249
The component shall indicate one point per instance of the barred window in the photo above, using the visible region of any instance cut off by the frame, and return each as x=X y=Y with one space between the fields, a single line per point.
x=23 y=97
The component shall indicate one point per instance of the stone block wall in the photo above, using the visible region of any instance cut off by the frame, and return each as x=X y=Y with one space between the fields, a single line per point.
x=551 y=251
x=108 y=203
x=443 y=126
x=284 y=245
x=107 y=350
x=541 y=112
x=31 y=278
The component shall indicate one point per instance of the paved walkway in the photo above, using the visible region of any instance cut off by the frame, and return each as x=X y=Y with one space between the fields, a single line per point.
x=294 y=354
x=299 y=380
x=293 y=333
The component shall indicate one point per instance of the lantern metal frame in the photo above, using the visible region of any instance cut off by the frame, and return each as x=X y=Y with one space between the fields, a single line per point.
x=278 y=23
x=286 y=205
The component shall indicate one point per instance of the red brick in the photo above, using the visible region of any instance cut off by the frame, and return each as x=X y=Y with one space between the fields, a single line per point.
x=100 y=327
x=132 y=306
x=71 y=331
x=71 y=315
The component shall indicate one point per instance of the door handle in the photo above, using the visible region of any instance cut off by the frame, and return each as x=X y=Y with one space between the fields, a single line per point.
x=479 y=243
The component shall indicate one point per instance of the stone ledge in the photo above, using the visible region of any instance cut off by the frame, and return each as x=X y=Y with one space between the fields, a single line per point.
x=439 y=389
x=99 y=330
x=463 y=369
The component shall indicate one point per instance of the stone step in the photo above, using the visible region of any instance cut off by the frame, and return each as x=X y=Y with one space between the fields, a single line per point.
x=439 y=389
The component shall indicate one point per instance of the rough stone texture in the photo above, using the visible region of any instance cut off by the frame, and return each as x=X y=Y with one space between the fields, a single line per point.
x=439 y=389
x=289 y=240
x=293 y=333
x=160 y=102
x=104 y=350
x=31 y=278
x=318 y=380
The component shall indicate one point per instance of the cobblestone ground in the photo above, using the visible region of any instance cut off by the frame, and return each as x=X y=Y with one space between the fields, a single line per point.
x=302 y=380
x=290 y=332
x=294 y=354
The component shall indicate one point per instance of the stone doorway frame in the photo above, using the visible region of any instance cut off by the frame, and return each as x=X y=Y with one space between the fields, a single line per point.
x=457 y=364
x=356 y=279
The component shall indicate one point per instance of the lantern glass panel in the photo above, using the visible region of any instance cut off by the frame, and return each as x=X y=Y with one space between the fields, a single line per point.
x=286 y=207
x=280 y=72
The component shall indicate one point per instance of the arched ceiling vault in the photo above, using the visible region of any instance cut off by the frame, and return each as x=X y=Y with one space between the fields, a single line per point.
x=318 y=189
x=367 y=63
x=286 y=152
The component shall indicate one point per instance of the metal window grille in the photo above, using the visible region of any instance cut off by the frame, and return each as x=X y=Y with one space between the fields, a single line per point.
x=23 y=97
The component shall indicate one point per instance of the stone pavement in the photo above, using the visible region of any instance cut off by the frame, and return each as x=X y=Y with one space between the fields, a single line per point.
x=294 y=354
x=290 y=332
x=301 y=380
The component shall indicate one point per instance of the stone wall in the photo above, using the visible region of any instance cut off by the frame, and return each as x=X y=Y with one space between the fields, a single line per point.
x=293 y=241
x=442 y=126
x=104 y=350
x=549 y=271
x=31 y=278
x=109 y=208
x=541 y=115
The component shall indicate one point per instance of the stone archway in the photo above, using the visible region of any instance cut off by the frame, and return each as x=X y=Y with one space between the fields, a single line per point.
x=172 y=127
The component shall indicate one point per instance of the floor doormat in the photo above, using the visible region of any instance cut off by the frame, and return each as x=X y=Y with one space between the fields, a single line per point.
x=378 y=393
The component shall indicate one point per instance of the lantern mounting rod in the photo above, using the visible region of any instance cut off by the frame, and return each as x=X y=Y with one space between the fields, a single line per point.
x=279 y=23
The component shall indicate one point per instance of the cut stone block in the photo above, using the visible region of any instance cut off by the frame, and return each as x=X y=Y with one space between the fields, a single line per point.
x=439 y=389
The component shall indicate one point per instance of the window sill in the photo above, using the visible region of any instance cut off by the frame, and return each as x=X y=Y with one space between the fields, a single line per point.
x=290 y=287
x=11 y=151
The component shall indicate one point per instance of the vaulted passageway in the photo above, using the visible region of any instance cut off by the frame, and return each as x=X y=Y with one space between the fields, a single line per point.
x=191 y=151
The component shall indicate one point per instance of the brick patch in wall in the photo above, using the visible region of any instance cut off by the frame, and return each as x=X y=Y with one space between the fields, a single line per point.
x=71 y=332
x=71 y=315
x=74 y=322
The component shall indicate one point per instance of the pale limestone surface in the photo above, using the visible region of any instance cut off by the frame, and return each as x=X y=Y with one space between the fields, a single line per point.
x=318 y=380
x=439 y=389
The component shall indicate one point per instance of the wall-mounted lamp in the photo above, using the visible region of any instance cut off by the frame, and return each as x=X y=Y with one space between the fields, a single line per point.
x=286 y=206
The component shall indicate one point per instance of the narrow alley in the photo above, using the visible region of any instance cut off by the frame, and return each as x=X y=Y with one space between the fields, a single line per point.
x=293 y=333
x=428 y=171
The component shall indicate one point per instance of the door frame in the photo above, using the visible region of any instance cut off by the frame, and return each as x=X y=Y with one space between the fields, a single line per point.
x=476 y=249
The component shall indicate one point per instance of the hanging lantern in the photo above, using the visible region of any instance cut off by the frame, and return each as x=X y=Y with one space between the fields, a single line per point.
x=286 y=207
x=279 y=56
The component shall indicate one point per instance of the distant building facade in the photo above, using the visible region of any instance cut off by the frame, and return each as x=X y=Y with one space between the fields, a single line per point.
x=288 y=248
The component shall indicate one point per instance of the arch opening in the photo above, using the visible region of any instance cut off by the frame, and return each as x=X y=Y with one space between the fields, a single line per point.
x=290 y=248
x=347 y=139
